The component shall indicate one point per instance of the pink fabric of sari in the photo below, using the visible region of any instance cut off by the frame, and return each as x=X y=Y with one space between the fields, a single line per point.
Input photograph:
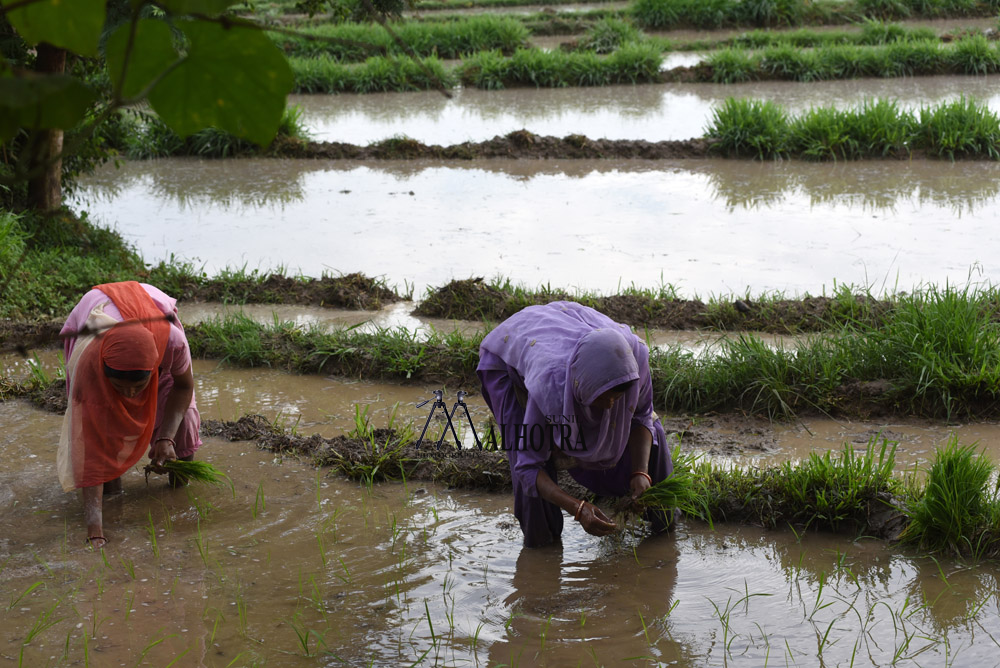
x=176 y=359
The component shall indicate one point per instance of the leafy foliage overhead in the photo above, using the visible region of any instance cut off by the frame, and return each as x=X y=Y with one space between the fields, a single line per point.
x=196 y=67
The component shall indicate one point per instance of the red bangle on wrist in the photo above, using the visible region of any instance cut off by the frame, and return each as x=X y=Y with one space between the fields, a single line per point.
x=164 y=438
x=579 y=509
x=643 y=474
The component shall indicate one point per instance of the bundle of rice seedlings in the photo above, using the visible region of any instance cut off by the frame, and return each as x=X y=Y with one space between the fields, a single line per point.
x=195 y=471
x=678 y=490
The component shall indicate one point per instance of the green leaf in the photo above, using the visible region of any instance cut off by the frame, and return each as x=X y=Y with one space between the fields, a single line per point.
x=42 y=102
x=69 y=24
x=152 y=53
x=234 y=79
x=206 y=7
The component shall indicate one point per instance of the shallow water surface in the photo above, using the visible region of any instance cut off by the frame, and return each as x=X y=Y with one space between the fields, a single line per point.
x=649 y=112
x=793 y=226
x=298 y=569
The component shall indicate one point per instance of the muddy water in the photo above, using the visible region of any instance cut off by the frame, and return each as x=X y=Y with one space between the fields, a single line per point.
x=651 y=112
x=793 y=227
x=297 y=564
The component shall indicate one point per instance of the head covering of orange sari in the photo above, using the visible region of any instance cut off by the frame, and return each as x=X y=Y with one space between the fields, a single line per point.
x=111 y=432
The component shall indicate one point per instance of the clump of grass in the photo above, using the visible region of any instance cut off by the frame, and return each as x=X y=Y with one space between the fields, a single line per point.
x=376 y=74
x=959 y=129
x=355 y=42
x=785 y=61
x=825 y=491
x=750 y=127
x=958 y=507
x=607 y=35
x=632 y=63
x=877 y=128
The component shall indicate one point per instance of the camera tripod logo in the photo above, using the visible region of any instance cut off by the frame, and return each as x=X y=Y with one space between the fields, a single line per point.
x=439 y=403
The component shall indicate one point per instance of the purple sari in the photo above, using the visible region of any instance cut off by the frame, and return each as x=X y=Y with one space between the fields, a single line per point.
x=540 y=370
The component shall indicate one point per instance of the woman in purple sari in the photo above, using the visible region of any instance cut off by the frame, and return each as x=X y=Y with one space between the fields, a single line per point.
x=571 y=389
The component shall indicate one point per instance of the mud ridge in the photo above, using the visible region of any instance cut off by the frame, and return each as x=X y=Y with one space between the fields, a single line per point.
x=525 y=145
x=351 y=291
x=473 y=298
x=520 y=144
x=383 y=455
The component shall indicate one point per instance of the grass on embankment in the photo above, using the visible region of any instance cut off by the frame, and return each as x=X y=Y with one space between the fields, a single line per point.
x=714 y=14
x=936 y=354
x=953 y=509
x=48 y=263
x=876 y=129
x=969 y=56
x=640 y=62
x=354 y=42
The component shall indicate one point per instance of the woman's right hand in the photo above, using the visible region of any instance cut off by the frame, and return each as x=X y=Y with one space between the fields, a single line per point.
x=595 y=522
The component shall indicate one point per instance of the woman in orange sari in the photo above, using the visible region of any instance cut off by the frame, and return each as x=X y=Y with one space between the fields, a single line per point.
x=130 y=388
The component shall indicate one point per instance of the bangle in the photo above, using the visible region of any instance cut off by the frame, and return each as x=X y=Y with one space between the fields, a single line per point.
x=164 y=438
x=643 y=474
x=579 y=509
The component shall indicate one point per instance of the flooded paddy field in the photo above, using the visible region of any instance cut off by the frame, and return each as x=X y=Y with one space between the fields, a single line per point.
x=653 y=112
x=793 y=226
x=298 y=568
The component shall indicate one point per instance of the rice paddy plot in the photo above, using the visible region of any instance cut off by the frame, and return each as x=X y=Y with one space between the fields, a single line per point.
x=649 y=112
x=791 y=227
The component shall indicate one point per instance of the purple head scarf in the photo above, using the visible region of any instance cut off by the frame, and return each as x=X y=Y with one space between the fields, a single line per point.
x=567 y=355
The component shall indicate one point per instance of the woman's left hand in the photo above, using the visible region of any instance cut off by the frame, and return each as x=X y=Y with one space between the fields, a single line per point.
x=638 y=485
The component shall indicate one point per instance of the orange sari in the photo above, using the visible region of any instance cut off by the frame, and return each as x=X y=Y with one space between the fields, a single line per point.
x=104 y=432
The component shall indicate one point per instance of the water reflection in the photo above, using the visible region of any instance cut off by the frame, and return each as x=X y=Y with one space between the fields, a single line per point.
x=790 y=227
x=649 y=112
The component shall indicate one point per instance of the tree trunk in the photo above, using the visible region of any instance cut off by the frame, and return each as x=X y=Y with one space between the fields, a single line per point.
x=45 y=184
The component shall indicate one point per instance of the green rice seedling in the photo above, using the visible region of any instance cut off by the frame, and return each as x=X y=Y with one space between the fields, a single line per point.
x=732 y=66
x=916 y=57
x=745 y=127
x=633 y=63
x=787 y=62
x=185 y=472
x=607 y=35
x=151 y=532
x=957 y=502
x=822 y=134
x=14 y=601
x=883 y=9
x=656 y=14
x=974 y=55
x=43 y=622
x=486 y=70
x=678 y=490
x=766 y=13
x=879 y=128
x=259 y=503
